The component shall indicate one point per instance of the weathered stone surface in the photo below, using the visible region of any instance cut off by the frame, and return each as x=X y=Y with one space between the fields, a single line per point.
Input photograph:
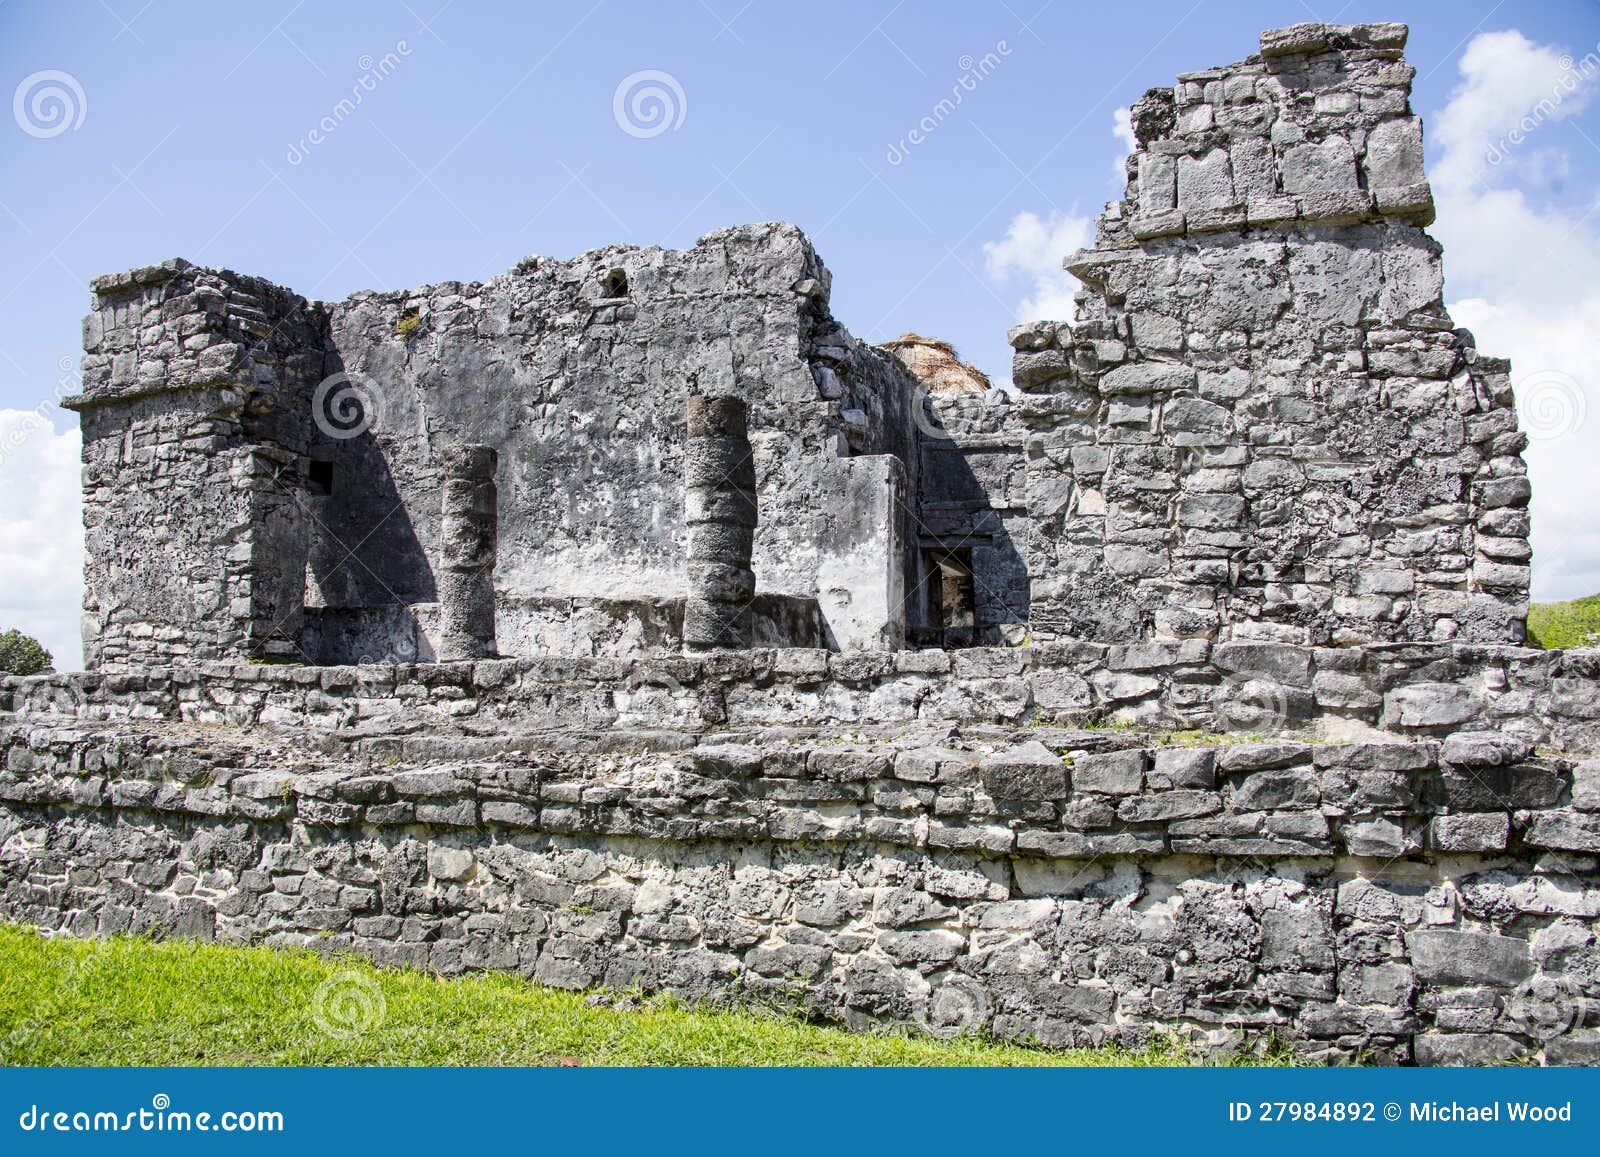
x=1032 y=771
x=1428 y=705
x=1475 y=832
x=1170 y=532
x=1114 y=773
x=1283 y=198
x=1446 y=956
x=866 y=867
x=1484 y=749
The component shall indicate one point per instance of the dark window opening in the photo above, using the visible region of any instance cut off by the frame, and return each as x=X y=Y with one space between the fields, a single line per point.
x=614 y=283
x=319 y=475
x=952 y=606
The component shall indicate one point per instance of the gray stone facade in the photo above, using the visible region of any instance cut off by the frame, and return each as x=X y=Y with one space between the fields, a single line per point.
x=297 y=451
x=1403 y=900
x=624 y=622
x=1263 y=423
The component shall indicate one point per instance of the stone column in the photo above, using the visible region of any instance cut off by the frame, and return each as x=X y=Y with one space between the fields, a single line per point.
x=469 y=529
x=719 y=478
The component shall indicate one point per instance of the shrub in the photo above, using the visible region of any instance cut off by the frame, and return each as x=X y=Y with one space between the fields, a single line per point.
x=1556 y=626
x=22 y=655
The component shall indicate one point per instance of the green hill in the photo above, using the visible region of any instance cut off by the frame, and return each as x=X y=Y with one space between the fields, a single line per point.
x=1569 y=624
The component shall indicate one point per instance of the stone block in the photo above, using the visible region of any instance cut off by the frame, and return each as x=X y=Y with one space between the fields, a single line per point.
x=1158 y=176
x=1563 y=829
x=1436 y=1048
x=1586 y=785
x=1112 y=772
x=1484 y=749
x=1182 y=767
x=1380 y=837
x=450 y=863
x=1447 y=956
x=1502 y=492
x=1328 y=167
x=1031 y=771
x=1430 y=705
x=1245 y=757
x=1055 y=690
x=1295 y=40
x=1470 y=832
x=1393 y=157
x=1276 y=662
x=1205 y=182
x=1290 y=788
x=1150 y=226
x=1161 y=806
x=1147 y=378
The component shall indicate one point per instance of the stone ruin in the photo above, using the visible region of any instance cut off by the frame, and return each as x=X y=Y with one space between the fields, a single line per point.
x=626 y=622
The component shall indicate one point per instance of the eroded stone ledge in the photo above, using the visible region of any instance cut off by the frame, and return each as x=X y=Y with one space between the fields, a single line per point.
x=1404 y=689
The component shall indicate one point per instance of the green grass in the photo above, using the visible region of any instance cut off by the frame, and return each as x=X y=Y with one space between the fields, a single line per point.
x=129 y=1001
x=1555 y=626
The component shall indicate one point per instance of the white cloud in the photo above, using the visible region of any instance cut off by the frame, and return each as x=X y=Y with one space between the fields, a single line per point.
x=1518 y=274
x=41 y=534
x=1028 y=258
x=1122 y=129
x=1509 y=87
x=1031 y=254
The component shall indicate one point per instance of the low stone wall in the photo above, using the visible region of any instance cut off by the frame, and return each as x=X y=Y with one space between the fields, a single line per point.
x=1548 y=697
x=1418 y=901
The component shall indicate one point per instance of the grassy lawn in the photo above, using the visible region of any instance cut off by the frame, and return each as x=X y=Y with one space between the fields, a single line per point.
x=136 y=1002
x=1571 y=624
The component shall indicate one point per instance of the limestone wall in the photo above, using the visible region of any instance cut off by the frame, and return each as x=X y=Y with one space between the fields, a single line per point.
x=577 y=372
x=1549 y=698
x=248 y=452
x=1410 y=901
x=194 y=382
x=1263 y=423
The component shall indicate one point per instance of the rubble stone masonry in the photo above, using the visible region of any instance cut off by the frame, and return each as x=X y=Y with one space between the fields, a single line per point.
x=1263 y=755
x=1263 y=423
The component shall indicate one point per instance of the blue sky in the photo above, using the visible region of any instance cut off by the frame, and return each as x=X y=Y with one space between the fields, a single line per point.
x=492 y=134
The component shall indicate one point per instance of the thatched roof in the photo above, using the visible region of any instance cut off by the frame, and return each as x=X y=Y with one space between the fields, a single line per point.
x=937 y=364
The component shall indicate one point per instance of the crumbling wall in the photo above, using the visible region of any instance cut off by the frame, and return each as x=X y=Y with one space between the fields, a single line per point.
x=1263 y=423
x=1388 y=901
x=250 y=455
x=577 y=373
x=193 y=404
